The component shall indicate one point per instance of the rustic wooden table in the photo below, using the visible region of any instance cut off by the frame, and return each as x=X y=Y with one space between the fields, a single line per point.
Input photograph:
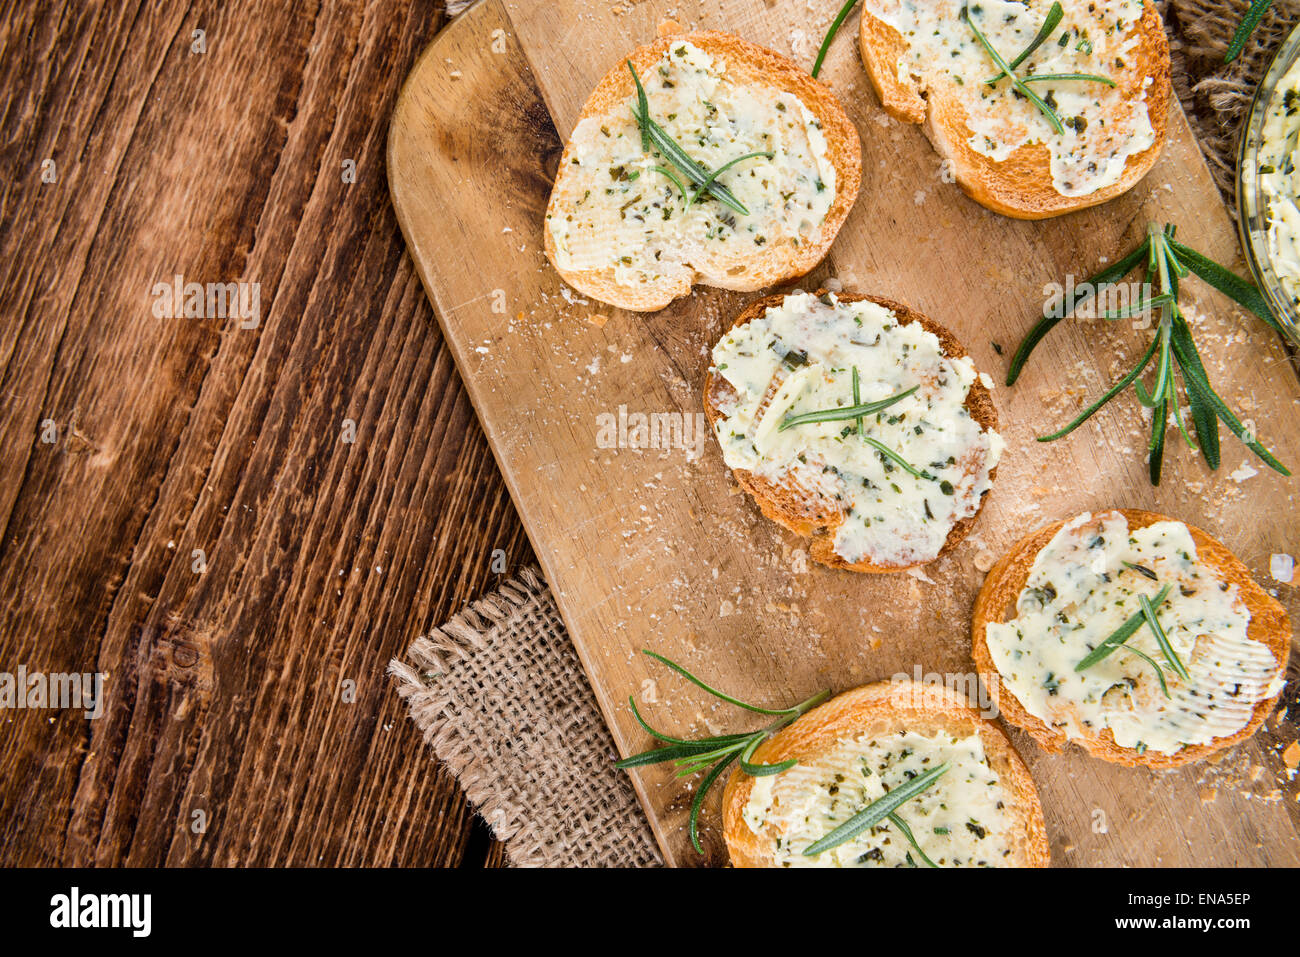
x=240 y=519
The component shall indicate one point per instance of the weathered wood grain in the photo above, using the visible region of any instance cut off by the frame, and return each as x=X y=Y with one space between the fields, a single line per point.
x=324 y=557
x=645 y=549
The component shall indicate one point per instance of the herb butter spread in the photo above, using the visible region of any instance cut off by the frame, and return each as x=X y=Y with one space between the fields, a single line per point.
x=799 y=357
x=1278 y=181
x=616 y=210
x=1080 y=590
x=1103 y=126
x=960 y=820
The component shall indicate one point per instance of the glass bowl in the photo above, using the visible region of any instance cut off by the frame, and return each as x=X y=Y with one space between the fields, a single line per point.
x=1252 y=204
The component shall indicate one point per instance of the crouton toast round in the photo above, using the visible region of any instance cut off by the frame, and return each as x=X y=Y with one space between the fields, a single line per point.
x=983 y=810
x=1058 y=589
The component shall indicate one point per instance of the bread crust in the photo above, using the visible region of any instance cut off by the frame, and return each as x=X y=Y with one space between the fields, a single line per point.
x=1021 y=185
x=889 y=706
x=748 y=63
x=816 y=520
x=1269 y=625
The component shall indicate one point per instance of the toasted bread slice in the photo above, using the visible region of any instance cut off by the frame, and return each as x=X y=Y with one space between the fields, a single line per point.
x=1268 y=626
x=914 y=77
x=810 y=509
x=837 y=742
x=617 y=226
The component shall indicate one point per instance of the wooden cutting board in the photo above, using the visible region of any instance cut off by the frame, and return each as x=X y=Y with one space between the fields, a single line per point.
x=658 y=549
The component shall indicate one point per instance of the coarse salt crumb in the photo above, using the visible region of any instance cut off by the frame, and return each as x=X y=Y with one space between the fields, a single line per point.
x=1282 y=567
x=1242 y=473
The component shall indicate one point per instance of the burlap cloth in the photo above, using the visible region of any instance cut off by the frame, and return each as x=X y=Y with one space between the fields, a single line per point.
x=498 y=691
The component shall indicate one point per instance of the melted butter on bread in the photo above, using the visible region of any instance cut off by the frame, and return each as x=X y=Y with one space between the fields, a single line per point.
x=960 y=821
x=1103 y=126
x=1079 y=590
x=612 y=210
x=799 y=356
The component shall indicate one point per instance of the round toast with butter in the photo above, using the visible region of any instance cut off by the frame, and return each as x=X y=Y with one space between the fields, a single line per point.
x=888 y=491
x=627 y=225
x=929 y=67
x=981 y=810
x=1049 y=641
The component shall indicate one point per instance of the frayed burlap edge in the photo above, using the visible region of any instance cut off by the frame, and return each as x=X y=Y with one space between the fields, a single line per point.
x=501 y=698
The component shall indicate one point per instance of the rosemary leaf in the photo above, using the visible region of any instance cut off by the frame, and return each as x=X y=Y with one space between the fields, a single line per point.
x=699 y=799
x=1143 y=395
x=877 y=811
x=906 y=831
x=844 y=412
x=1245 y=28
x=1053 y=77
x=665 y=171
x=830 y=35
x=1190 y=373
x=857 y=400
x=659 y=755
x=1050 y=24
x=1128 y=312
x=1110 y=393
x=1207 y=423
x=709 y=756
x=1227 y=282
x=1067 y=306
x=1120 y=634
x=1177 y=413
x=1160 y=673
x=889 y=453
x=643 y=109
x=1141 y=570
x=713 y=691
x=667 y=738
x=1159 y=423
x=761 y=770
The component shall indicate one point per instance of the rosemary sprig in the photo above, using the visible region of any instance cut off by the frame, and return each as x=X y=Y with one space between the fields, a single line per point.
x=1016 y=82
x=830 y=35
x=843 y=412
x=856 y=411
x=1245 y=28
x=718 y=752
x=877 y=811
x=1121 y=634
x=652 y=134
x=1021 y=84
x=1172 y=348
